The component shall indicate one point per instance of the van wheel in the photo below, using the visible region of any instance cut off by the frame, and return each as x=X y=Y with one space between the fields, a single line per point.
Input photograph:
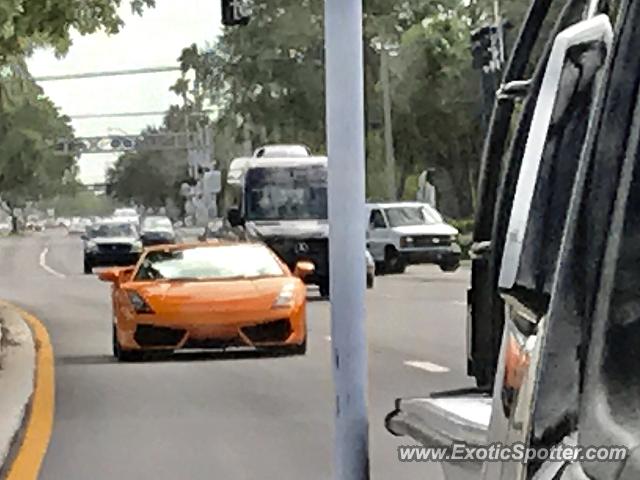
x=324 y=288
x=450 y=266
x=393 y=261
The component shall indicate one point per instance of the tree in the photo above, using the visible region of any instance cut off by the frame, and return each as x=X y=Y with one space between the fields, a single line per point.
x=27 y=24
x=267 y=82
x=29 y=168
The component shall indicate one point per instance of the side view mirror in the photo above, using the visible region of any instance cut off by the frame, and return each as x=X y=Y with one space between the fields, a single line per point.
x=447 y=420
x=84 y=237
x=234 y=216
x=109 y=275
x=304 y=269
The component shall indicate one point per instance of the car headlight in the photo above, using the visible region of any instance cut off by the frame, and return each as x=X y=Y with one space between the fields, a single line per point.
x=91 y=246
x=138 y=303
x=136 y=247
x=406 y=241
x=285 y=298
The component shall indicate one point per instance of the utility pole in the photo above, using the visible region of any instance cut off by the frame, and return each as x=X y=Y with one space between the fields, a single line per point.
x=345 y=140
x=388 y=126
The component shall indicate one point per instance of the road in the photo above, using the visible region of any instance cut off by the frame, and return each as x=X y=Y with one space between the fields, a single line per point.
x=220 y=416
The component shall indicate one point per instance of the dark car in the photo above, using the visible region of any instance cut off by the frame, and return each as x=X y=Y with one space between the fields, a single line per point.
x=111 y=243
x=157 y=230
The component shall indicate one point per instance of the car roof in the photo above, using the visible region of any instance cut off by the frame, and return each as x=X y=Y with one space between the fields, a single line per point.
x=111 y=221
x=395 y=204
x=275 y=162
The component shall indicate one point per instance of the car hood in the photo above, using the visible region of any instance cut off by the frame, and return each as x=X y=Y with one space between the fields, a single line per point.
x=292 y=228
x=212 y=296
x=435 y=229
x=114 y=240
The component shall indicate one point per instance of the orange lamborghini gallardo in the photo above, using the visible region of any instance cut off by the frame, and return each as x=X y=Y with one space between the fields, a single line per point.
x=208 y=295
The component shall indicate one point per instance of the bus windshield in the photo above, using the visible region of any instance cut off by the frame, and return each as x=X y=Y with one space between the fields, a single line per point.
x=286 y=193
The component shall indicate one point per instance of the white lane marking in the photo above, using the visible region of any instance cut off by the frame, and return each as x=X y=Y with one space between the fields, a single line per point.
x=327 y=338
x=47 y=268
x=428 y=366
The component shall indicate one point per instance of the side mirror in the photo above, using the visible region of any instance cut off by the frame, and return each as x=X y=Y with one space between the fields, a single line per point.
x=448 y=420
x=84 y=237
x=304 y=269
x=110 y=275
x=234 y=216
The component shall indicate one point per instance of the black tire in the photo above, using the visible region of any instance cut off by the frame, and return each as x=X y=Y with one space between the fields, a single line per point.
x=370 y=281
x=121 y=354
x=88 y=268
x=450 y=266
x=379 y=270
x=393 y=261
x=324 y=288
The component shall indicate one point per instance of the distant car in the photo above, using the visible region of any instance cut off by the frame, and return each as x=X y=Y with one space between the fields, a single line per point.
x=157 y=230
x=111 y=243
x=213 y=295
x=371 y=269
x=128 y=215
x=406 y=233
x=35 y=225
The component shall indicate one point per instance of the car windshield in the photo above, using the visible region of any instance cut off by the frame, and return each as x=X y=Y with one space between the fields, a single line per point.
x=404 y=216
x=111 y=230
x=291 y=193
x=210 y=263
x=157 y=223
x=431 y=215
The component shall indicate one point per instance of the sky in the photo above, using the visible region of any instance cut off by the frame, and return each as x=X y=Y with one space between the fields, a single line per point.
x=153 y=40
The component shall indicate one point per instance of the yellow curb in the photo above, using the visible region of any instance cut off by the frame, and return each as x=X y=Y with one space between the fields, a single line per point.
x=39 y=424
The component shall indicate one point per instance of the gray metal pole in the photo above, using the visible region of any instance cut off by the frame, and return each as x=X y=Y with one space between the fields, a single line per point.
x=345 y=139
x=388 y=126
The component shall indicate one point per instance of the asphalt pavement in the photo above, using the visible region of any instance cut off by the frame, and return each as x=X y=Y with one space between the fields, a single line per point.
x=226 y=416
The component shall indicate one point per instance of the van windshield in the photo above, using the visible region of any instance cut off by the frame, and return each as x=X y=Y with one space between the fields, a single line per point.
x=286 y=193
x=404 y=216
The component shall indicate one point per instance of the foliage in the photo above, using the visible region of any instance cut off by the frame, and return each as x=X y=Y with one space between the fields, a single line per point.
x=29 y=169
x=153 y=178
x=26 y=24
x=80 y=204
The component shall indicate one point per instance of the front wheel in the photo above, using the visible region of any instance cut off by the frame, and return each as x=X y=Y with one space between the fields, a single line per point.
x=393 y=261
x=324 y=288
x=88 y=268
x=370 y=281
x=450 y=266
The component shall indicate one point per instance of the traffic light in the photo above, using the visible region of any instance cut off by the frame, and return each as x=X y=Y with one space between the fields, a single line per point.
x=235 y=12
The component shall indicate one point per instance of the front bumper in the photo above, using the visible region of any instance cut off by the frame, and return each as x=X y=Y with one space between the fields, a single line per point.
x=446 y=254
x=157 y=332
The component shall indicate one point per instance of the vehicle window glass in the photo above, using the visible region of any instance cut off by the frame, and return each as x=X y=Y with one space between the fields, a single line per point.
x=202 y=263
x=160 y=222
x=431 y=215
x=558 y=166
x=111 y=230
x=288 y=193
x=404 y=216
x=376 y=220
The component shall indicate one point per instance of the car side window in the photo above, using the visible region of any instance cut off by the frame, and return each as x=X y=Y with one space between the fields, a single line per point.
x=376 y=220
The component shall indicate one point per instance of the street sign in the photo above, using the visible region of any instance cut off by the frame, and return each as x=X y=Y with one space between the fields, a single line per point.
x=236 y=12
x=123 y=143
